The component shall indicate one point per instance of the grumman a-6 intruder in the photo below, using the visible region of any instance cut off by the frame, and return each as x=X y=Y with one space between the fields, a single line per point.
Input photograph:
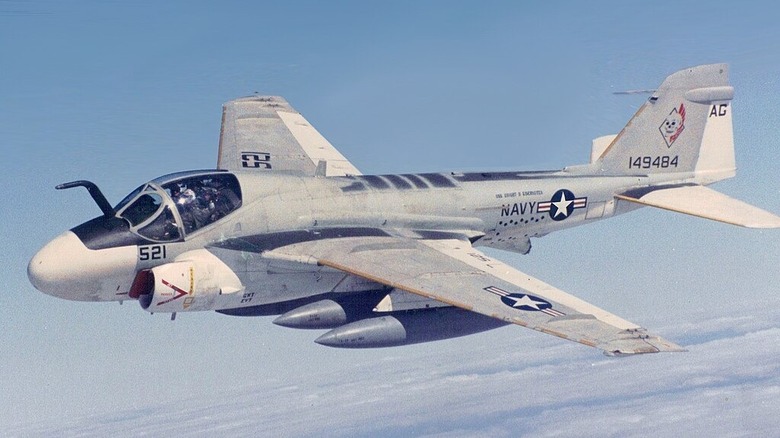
x=287 y=225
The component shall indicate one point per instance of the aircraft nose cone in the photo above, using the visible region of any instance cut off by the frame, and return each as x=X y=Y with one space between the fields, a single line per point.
x=52 y=266
x=66 y=268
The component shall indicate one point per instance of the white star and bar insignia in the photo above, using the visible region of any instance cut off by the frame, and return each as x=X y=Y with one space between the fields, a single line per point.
x=562 y=205
x=525 y=302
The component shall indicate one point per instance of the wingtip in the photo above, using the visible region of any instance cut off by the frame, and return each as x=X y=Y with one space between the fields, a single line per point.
x=640 y=343
x=625 y=353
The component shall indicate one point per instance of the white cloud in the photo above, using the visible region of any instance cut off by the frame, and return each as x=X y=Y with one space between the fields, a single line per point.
x=728 y=384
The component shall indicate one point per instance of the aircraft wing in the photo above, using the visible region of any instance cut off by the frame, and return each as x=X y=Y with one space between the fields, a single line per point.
x=453 y=272
x=265 y=133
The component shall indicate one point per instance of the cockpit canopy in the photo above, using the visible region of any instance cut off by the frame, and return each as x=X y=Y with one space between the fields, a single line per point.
x=173 y=206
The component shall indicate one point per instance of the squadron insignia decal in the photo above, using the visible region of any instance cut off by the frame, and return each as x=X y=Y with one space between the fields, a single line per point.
x=673 y=125
x=256 y=160
x=562 y=205
x=525 y=302
x=179 y=293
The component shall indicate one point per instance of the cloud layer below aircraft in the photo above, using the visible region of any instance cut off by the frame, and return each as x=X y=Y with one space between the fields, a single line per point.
x=728 y=383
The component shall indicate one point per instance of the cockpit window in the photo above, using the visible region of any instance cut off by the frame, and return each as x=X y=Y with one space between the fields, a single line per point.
x=142 y=208
x=168 y=208
x=163 y=228
x=202 y=200
x=129 y=198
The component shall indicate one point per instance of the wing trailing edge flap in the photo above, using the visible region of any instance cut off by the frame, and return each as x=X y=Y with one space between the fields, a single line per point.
x=453 y=272
x=700 y=201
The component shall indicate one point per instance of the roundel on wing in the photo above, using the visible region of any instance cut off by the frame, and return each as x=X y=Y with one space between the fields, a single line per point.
x=526 y=302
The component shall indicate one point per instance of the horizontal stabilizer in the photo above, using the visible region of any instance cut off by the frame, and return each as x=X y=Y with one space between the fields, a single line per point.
x=703 y=202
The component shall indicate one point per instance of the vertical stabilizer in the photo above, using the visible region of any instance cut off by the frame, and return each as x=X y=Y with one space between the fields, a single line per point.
x=684 y=127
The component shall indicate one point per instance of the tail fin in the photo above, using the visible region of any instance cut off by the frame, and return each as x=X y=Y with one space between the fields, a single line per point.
x=685 y=127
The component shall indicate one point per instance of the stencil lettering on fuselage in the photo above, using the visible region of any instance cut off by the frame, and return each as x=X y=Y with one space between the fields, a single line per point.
x=560 y=206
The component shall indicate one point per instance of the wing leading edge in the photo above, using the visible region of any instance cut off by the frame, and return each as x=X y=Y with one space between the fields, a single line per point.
x=265 y=133
x=453 y=272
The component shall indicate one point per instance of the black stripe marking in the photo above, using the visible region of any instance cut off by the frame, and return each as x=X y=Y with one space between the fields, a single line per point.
x=419 y=183
x=518 y=176
x=375 y=181
x=354 y=187
x=265 y=242
x=102 y=233
x=500 y=176
x=360 y=303
x=398 y=182
x=437 y=179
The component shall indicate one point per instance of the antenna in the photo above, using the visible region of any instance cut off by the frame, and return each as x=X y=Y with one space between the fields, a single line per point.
x=648 y=91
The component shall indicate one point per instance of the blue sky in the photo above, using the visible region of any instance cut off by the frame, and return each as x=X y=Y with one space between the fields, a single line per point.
x=122 y=92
